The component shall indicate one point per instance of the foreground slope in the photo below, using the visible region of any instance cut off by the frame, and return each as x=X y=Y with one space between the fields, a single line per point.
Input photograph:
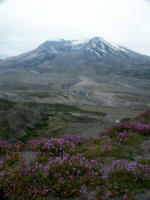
x=113 y=165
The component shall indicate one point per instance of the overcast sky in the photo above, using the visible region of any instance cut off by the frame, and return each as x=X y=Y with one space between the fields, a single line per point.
x=24 y=24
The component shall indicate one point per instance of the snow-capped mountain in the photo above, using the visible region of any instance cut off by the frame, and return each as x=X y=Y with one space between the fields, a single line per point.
x=91 y=72
x=95 y=53
x=96 y=46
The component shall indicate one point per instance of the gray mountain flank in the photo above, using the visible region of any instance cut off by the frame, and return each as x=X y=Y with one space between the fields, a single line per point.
x=92 y=73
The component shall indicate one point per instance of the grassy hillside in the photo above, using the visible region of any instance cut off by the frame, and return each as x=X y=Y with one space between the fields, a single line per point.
x=21 y=121
x=112 y=165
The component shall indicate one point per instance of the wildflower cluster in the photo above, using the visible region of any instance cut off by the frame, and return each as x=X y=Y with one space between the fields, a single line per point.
x=140 y=171
x=70 y=173
x=56 y=146
x=126 y=179
x=74 y=166
x=24 y=181
x=123 y=130
x=6 y=147
x=62 y=174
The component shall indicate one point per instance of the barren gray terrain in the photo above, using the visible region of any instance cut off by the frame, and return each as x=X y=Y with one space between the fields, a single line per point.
x=94 y=76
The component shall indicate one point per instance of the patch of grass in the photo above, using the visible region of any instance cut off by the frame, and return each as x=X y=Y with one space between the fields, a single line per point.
x=134 y=140
x=39 y=94
x=121 y=183
x=31 y=104
x=123 y=152
x=42 y=158
x=5 y=104
x=36 y=120
x=127 y=119
x=10 y=161
x=144 y=161
x=92 y=149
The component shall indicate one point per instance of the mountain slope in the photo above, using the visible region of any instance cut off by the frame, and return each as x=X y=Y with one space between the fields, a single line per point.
x=96 y=53
x=93 y=72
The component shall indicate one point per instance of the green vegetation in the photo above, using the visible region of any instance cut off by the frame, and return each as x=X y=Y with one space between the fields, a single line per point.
x=112 y=165
x=29 y=120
